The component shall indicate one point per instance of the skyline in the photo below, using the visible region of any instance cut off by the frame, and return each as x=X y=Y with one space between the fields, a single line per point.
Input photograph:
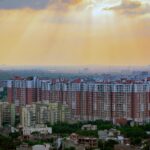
x=75 y=32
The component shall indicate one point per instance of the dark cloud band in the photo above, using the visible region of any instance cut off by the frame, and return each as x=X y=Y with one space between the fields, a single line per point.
x=34 y=4
x=13 y=4
x=129 y=7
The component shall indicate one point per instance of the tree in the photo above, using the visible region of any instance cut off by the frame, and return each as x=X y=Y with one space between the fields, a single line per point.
x=14 y=135
x=101 y=144
x=136 y=141
x=88 y=133
x=146 y=146
x=109 y=145
x=7 y=143
x=132 y=132
x=70 y=148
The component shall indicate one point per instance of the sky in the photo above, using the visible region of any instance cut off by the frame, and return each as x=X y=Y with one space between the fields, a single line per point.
x=75 y=32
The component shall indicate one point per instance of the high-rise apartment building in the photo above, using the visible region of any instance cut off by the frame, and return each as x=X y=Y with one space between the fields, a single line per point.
x=43 y=113
x=22 y=91
x=1 y=121
x=7 y=114
x=28 y=115
x=87 y=99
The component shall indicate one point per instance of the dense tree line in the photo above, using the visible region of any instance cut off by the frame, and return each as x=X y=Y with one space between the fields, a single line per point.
x=9 y=142
x=66 y=128
x=136 y=134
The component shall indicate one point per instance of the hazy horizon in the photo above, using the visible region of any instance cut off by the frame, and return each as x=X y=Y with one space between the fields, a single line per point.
x=74 y=69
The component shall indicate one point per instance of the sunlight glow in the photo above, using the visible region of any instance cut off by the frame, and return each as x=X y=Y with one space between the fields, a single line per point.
x=100 y=7
x=88 y=32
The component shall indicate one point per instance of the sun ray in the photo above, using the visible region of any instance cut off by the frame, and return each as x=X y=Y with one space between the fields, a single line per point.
x=83 y=33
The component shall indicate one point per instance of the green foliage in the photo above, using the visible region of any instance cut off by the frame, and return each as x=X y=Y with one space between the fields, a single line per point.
x=136 y=133
x=146 y=146
x=88 y=133
x=136 y=141
x=102 y=125
x=132 y=132
x=51 y=140
x=65 y=128
x=146 y=127
x=101 y=144
x=108 y=145
x=70 y=148
x=14 y=135
x=32 y=143
x=7 y=143
x=39 y=142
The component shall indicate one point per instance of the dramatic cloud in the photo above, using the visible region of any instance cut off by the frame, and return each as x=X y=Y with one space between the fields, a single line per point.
x=13 y=4
x=34 y=4
x=130 y=7
x=65 y=32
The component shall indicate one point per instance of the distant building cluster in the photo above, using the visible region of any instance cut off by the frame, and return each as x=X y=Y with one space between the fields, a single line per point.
x=7 y=114
x=118 y=101
x=43 y=113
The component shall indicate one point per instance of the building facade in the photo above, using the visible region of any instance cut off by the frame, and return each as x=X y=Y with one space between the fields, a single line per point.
x=87 y=99
x=44 y=112
x=7 y=114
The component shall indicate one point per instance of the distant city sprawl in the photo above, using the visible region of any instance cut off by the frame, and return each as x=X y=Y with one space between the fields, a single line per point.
x=106 y=111
x=118 y=101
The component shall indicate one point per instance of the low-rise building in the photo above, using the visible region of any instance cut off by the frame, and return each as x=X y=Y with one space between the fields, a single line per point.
x=103 y=134
x=74 y=137
x=88 y=142
x=27 y=131
x=125 y=147
x=41 y=147
x=111 y=134
x=89 y=127
x=68 y=144
x=24 y=146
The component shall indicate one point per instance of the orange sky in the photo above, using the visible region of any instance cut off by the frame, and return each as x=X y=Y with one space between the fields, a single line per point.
x=79 y=32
